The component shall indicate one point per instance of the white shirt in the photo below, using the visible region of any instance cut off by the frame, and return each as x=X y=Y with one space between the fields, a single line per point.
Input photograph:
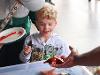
x=54 y=42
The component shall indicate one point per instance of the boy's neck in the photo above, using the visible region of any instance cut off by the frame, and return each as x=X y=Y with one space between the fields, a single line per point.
x=45 y=37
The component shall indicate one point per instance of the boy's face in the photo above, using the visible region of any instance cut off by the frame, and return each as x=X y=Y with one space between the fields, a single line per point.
x=46 y=26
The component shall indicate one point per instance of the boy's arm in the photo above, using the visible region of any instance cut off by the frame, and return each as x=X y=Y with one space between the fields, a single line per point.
x=23 y=56
x=65 y=49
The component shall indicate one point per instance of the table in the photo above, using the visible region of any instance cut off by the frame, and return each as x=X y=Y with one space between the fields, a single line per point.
x=35 y=68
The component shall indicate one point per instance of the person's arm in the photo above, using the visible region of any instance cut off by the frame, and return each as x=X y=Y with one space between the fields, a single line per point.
x=91 y=58
x=33 y=5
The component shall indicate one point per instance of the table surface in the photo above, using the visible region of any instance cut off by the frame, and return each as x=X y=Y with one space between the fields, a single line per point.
x=36 y=67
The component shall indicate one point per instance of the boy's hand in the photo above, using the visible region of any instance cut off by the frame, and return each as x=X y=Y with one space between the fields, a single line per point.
x=27 y=50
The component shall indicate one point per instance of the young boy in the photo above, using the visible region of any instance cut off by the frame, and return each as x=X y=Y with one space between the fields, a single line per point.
x=46 y=43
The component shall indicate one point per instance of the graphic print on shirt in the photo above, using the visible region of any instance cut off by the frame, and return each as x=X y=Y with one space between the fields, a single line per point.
x=45 y=53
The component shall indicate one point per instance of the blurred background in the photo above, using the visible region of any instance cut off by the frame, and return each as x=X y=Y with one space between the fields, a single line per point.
x=78 y=23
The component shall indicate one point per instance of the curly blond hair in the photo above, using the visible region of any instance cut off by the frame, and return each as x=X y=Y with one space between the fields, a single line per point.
x=48 y=11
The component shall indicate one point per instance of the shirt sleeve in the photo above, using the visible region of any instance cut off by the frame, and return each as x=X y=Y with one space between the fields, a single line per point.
x=25 y=58
x=33 y=5
x=65 y=49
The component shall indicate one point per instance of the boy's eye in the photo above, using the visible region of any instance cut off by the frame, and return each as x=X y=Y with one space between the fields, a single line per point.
x=41 y=23
x=50 y=24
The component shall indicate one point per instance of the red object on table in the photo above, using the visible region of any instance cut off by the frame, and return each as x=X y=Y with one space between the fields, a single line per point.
x=55 y=60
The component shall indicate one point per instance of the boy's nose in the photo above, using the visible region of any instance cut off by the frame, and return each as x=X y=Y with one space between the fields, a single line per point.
x=46 y=26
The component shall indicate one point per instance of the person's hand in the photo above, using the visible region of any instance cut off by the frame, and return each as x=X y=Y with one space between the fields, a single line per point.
x=68 y=61
x=27 y=50
x=48 y=72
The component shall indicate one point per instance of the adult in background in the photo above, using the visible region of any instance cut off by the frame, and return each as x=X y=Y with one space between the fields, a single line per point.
x=9 y=53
